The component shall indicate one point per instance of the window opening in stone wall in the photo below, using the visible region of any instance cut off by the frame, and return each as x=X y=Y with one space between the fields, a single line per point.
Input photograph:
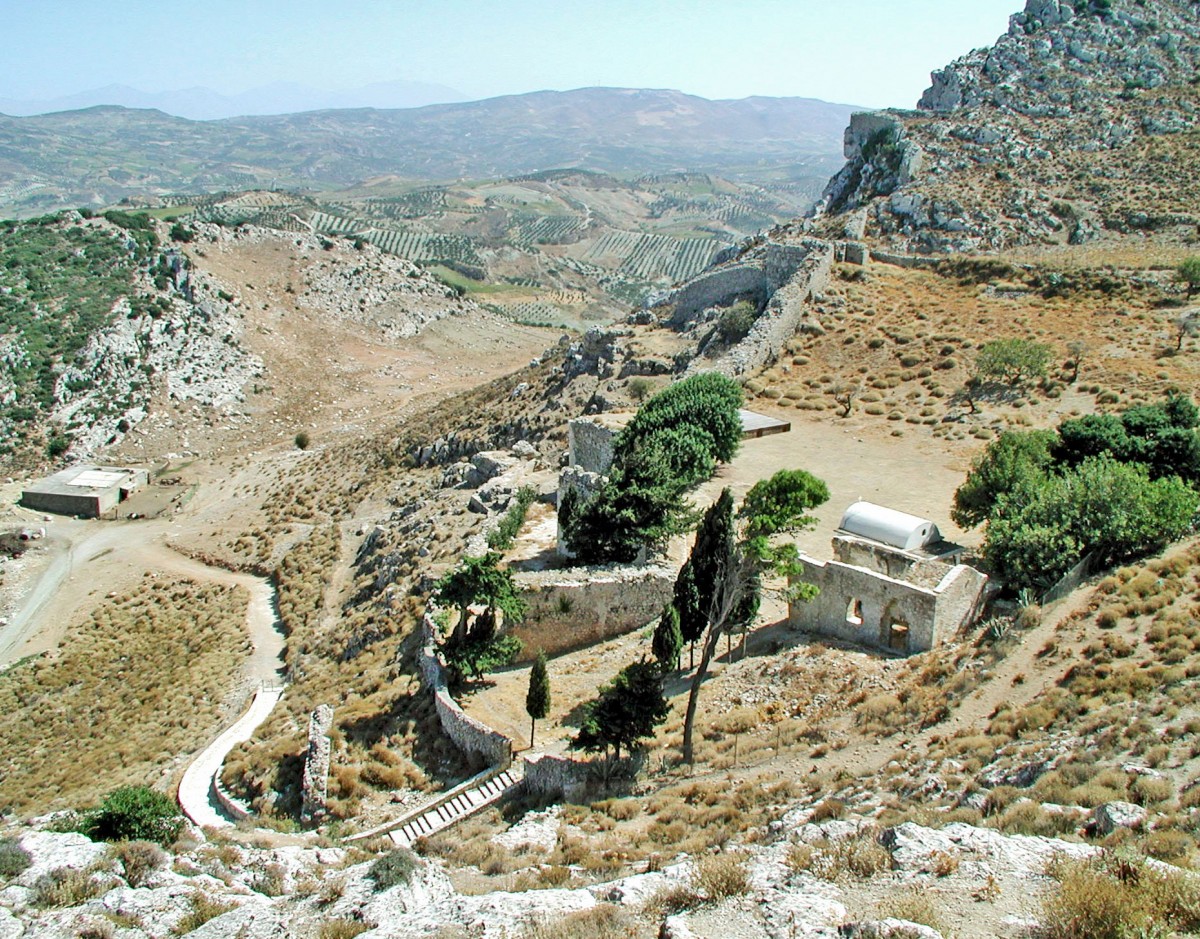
x=854 y=612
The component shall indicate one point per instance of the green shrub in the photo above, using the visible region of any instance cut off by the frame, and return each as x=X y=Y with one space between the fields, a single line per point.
x=302 y=440
x=134 y=813
x=394 y=868
x=502 y=536
x=13 y=858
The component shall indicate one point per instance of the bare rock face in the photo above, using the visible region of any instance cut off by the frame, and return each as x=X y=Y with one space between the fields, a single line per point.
x=991 y=157
x=1113 y=815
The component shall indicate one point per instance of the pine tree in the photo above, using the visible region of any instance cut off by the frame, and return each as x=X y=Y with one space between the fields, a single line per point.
x=537 y=699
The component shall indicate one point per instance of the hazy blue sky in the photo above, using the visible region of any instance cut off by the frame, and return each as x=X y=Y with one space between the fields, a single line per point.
x=868 y=52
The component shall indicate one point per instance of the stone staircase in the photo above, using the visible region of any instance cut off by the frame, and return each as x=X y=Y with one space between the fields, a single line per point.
x=455 y=805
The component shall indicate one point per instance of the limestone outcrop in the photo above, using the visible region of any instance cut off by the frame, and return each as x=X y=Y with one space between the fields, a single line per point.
x=1065 y=130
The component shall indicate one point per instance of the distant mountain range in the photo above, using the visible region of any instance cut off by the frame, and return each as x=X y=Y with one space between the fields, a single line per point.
x=204 y=104
x=100 y=155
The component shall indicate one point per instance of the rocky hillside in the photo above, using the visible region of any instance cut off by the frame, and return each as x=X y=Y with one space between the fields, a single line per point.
x=106 y=320
x=1077 y=126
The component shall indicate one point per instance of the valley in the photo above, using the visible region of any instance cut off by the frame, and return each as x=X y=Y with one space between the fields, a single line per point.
x=354 y=401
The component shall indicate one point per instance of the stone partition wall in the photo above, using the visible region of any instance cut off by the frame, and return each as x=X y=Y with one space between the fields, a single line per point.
x=315 y=783
x=469 y=735
x=555 y=776
x=567 y=609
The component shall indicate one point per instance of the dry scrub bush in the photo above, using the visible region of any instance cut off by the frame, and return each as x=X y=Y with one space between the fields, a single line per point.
x=342 y=928
x=138 y=859
x=603 y=921
x=14 y=859
x=719 y=876
x=860 y=855
x=64 y=887
x=140 y=681
x=202 y=909
x=916 y=906
x=1117 y=896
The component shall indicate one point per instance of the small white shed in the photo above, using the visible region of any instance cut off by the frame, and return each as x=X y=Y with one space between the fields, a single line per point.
x=888 y=526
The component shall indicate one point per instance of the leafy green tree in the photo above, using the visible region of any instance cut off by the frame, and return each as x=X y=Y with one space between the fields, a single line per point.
x=1016 y=460
x=625 y=712
x=667 y=643
x=1102 y=506
x=1013 y=361
x=134 y=813
x=473 y=647
x=537 y=698
x=692 y=618
x=673 y=443
x=1188 y=271
x=708 y=401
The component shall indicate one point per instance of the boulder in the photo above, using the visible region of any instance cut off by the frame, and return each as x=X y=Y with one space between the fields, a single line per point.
x=51 y=850
x=886 y=929
x=1113 y=815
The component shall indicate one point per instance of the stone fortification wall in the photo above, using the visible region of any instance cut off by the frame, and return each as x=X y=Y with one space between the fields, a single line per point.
x=567 y=609
x=557 y=776
x=315 y=782
x=784 y=313
x=469 y=735
x=720 y=287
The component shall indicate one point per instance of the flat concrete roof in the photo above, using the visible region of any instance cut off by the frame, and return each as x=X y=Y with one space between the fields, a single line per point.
x=758 y=425
x=79 y=480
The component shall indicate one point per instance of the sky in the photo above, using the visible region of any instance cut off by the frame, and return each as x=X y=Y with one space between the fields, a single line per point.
x=874 y=53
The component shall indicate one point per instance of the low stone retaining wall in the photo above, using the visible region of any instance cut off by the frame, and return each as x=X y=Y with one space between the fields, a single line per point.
x=235 y=807
x=469 y=735
x=556 y=776
x=567 y=609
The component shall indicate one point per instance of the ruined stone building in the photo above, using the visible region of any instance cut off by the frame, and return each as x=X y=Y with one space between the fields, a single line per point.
x=893 y=583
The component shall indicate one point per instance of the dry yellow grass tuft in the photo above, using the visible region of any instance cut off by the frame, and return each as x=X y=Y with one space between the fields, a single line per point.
x=142 y=681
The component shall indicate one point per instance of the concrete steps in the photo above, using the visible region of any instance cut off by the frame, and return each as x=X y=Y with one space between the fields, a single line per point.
x=442 y=815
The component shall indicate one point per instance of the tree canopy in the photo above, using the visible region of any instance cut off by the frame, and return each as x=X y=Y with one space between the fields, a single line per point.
x=1013 y=360
x=625 y=712
x=673 y=443
x=1113 y=485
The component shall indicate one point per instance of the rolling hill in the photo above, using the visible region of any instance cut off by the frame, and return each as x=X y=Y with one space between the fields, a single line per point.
x=100 y=155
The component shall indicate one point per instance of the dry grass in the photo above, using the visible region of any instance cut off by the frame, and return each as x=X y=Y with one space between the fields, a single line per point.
x=1117 y=896
x=142 y=681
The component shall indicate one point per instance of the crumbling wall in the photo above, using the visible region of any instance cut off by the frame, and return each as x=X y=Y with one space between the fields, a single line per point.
x=469 y=735
x=961 y=596
x=315 y=783
x=567 y=609
x=854 y=603
x=590 y=444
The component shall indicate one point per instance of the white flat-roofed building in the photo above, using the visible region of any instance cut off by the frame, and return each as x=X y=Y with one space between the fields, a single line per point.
x=85 y=490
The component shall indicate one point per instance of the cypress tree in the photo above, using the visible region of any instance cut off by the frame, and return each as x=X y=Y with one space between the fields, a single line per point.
x=537 y=699
x=668 y=640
